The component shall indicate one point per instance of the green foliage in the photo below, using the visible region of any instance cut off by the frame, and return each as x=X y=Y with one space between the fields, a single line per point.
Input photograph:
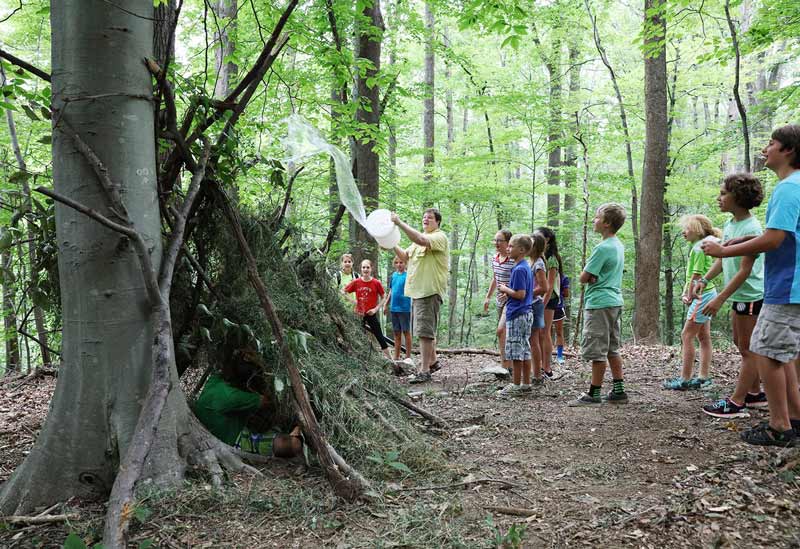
x=389 y=462
x=511 y=539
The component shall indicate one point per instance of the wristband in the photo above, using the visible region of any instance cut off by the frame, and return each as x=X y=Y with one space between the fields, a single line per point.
x=703 y=280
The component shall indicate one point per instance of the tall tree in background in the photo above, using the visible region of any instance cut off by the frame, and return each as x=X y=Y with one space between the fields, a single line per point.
x=428 y=114
x=648 y=261
x=224 y=35
x=368 y=114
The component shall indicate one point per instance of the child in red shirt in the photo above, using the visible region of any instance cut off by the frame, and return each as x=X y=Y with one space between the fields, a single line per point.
x=370 y=298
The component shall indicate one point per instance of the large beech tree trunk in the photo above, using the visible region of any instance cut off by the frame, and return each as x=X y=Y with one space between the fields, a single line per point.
x=648 y=261
x=97 y=50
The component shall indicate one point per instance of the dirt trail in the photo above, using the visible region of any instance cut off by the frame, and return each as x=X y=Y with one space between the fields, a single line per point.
x=654 y=473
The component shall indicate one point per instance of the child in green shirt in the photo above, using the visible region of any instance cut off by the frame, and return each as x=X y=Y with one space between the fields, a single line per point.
x=603 y=307
x=696 y=229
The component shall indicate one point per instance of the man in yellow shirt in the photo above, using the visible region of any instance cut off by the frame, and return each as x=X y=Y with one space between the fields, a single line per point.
x=428 y=260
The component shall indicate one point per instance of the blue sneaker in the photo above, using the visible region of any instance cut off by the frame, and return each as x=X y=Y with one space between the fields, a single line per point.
x=700 y=383
x=725 y=408
x=677 y=384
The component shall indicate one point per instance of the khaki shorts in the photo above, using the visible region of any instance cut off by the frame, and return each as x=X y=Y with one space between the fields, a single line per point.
x=777 y=332
x=601 y=333
x=425 y=316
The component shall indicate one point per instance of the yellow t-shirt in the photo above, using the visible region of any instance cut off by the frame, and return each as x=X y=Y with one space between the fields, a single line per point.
x=428 y=268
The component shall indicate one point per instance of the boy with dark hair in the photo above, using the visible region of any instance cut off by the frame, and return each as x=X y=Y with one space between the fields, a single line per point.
x=776 y=337
x=603 y=307
x=519 y=316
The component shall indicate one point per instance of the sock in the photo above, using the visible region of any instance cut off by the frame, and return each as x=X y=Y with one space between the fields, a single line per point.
x=619 y=386
x=594 y=391
x=560 y=351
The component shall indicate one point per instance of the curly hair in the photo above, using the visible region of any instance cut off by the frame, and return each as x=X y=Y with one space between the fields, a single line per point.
x=746 y=190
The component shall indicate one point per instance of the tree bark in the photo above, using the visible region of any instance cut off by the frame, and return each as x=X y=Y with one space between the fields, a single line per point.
x=368 y=118
x=736 y=96
x=226 y=10
x=9 y=318
x=648 y=262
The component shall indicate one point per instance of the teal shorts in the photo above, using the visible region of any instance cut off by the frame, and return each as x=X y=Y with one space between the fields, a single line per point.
x=695 y=312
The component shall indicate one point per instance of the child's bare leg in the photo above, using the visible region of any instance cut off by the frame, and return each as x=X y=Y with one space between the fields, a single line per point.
x=426 y=349
x=774 y=377
x=599 y=371
x=397 y=337
x=536 y=355
x=615 y=362
x=690 y=331
x=526 y=372
x=501 y=340
x=408 y=344
x=704 y=335
x=748 y=374
x=559 y=333
x=792 y=392
x=546 y=339
x=517 y=372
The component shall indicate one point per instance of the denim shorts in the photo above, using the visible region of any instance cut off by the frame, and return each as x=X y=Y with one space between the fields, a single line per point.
x=538 y=315
x=401 y=322
x=695 y=312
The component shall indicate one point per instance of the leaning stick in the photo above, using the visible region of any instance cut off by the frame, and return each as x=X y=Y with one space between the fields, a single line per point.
x=39 y=519
x=514 y=511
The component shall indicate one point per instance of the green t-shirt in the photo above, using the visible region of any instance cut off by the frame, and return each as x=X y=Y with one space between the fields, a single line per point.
x=606 y=263
x=699 y=264
x=752 y=289
x=552 y=263
x=224 y=409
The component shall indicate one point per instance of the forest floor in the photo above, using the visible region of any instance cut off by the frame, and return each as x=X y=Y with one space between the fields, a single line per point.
x=654 y=473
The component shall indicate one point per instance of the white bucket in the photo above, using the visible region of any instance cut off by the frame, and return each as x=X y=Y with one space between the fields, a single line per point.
x=389 y=241
x=379 y=223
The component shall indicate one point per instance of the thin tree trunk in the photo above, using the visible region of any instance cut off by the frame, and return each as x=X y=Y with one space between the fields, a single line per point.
x=452 y=287
x=428 y=126
x=736 y=96
x=38 y=314
x=648 y=262
x=226 y=12
x=9 y=318
x=585 y=237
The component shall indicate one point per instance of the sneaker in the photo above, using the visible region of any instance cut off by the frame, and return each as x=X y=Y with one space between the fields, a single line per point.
x=422 y=377
x=616 y=398
x=585 y=400
x=560 y=360
x=435 y=367
x=538 y=382
x=677 y=384
x=725 y=408
x=548 y=375
x=525 y=388
x=764 y=435
x=509 y=390
x=699 y=383
x=758 y=401
x=408 y=361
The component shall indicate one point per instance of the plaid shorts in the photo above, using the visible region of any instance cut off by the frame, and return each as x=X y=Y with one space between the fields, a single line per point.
x=518 y=333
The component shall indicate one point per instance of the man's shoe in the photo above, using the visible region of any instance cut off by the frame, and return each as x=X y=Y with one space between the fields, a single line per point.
x=764 y=435
x=422 y=377
x=725 y=408
x=757 y=402
x=585 y=400
x=435 y=367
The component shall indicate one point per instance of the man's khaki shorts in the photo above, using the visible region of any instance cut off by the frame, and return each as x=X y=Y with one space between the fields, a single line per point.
x=425 y=313
x=601 y=333
x=777 y=332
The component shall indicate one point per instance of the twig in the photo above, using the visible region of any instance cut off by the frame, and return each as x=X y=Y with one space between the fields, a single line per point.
x=514 y=511
x=22 y=332
x=39 y=519
x=467 y=351
x=25 y=65
x=417 y=410
x=462 y=484
x=380 y=417
x=287 y=197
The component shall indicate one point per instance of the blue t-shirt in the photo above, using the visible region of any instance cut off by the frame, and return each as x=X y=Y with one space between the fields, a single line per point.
x=521 y=278
x=400 y=303
x=782 y=265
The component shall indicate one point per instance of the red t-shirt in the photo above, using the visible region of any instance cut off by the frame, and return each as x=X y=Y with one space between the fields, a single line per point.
x=367 y=294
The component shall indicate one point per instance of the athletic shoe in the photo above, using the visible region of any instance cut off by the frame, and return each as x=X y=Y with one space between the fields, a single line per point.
x=560 y=360
x=764 y=435
x=538 y=382
x=758 y=401
x=525 y=388
x=700 y=383
x=677 y=384
x=510 y=390
x=409 y=361
x=616 y=398
x=422 y=377
x=725 y=408
x=585 y=400
x=435 y=367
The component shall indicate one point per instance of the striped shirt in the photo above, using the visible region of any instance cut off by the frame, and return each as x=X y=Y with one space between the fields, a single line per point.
x=502 y=275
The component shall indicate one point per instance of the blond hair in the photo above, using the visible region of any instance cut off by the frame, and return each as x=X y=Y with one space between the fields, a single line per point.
x=700 y=225
x=523 y=240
